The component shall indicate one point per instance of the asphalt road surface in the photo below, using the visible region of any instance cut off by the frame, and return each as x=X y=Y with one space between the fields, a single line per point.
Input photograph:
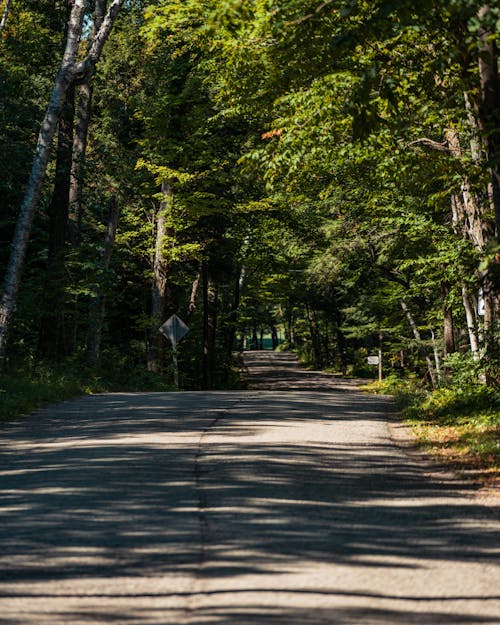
x=286 y=506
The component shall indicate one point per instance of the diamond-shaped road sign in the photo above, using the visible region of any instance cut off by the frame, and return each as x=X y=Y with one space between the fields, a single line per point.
x=174 y=329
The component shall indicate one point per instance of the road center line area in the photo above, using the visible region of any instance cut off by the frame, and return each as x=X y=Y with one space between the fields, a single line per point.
x=264 y=507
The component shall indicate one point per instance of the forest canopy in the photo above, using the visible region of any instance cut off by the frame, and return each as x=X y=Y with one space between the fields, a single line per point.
x=322 y=176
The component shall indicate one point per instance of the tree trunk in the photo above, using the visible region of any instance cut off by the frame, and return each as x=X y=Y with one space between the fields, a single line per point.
x=232 y=319
x=159 y=286
x=25 y=219
x=97 y=305
x=65 y=76
x=78 y=162
x=437 y=360
x=315 y=338
x=255 y=341
x=418 y=338
x=471 y=324
x=52 y=340
x=85 y=92
x=210 y=301
x=274 y=335
x=489 y=106
x=5 y=15
x=380 y=356
x=195 y=287
x=291 y=327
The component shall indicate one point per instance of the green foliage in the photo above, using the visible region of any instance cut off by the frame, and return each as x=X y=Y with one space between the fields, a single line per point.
x=293 y=137
x=458 y=424
x=24 y=389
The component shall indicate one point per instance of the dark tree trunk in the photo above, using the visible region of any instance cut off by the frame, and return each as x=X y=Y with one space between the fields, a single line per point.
x=232 y=320
x=84 y=108
x=255 y=340
x=341 y=342
x=315 y=337
x=78 y=160
x=274 y=336
x=210 y=304
x=97 y=305
x=52 y=340
x=195 y=287
x=159 y=286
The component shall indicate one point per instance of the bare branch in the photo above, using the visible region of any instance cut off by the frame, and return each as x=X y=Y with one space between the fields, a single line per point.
x=432 y=145
x=87 y=66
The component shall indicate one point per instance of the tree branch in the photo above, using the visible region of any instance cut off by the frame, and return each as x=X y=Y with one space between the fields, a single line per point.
x=318 y=9
x=433 y=145
x=87 y=66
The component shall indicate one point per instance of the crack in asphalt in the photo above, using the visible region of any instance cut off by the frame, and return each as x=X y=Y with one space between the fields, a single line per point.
x=203 y=505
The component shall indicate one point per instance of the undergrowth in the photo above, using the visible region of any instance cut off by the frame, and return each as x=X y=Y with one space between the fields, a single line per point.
x=458 y=424
x=28 y=386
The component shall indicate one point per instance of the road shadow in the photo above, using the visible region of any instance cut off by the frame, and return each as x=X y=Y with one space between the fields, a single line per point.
x=162 y=484
x=280 y=371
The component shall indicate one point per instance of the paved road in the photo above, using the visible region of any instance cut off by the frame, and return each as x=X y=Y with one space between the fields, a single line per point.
x=262 y=507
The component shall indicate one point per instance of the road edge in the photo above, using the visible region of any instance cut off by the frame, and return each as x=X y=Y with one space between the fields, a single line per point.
x=402 y=436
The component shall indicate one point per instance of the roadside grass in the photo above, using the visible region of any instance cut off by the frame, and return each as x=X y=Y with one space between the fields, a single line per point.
x=460 y=426
x=24 y=389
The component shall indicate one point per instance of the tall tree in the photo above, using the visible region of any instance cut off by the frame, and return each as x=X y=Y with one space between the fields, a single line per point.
x=68 y=70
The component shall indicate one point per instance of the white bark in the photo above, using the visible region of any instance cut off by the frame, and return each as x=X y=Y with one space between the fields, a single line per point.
x=471 y=327
x=30 y=201
x=66 y=74
x=5 y=15
x=436 y=357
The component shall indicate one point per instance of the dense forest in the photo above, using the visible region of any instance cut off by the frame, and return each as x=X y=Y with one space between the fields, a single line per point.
x=322 y=176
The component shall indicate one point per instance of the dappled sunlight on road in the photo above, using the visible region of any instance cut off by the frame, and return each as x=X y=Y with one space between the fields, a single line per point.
x=261 y=507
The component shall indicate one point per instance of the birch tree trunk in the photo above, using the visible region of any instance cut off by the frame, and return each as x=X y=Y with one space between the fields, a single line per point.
x=471 y=324
x=67 y=73
x=5 y=15
x=24 y=222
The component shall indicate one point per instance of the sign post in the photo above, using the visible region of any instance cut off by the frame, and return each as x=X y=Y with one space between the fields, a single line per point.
x=174 y=329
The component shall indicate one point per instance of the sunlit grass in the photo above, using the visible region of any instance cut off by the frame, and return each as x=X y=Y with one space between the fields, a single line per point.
x=459 y=426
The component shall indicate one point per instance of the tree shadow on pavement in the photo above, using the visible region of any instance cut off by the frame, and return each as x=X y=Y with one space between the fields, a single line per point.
x=158 y=485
